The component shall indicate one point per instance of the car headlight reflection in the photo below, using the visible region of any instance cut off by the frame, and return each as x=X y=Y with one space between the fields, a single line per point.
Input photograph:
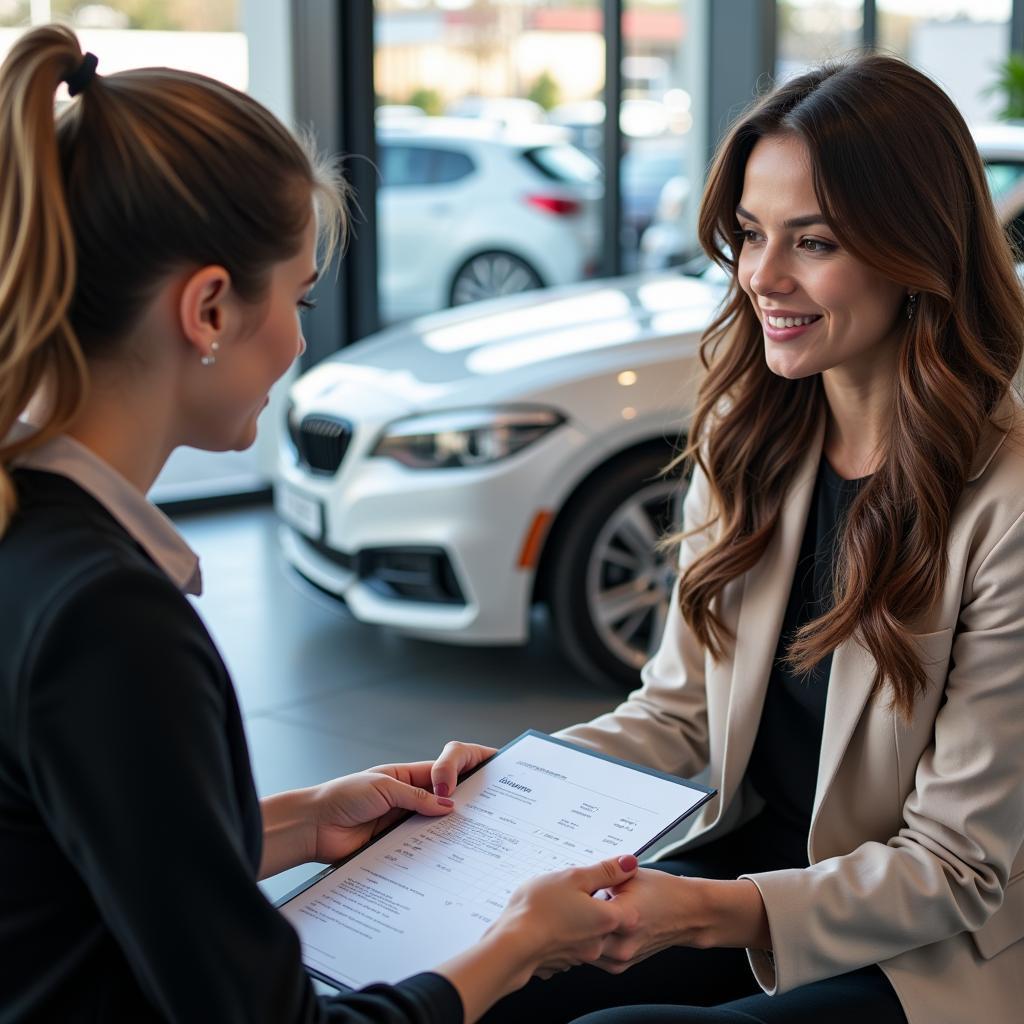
x=465 y=437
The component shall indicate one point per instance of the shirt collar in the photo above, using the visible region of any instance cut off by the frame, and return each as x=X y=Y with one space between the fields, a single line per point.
x=146 y=524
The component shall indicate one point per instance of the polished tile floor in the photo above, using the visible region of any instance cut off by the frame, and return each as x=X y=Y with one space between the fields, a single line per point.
x=324 y=695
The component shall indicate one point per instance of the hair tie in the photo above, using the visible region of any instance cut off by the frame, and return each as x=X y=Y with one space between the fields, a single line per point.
x=80 y=78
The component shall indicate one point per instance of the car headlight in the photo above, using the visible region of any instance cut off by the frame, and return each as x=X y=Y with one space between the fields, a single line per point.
x=464 y=437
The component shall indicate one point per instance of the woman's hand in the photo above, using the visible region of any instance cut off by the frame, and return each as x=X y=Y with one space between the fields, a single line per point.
x=551 y=923
x=667 y=910
x=327 y=822
x=663 y=909
x=351 y=810
x=455 y=759
x=568 y=925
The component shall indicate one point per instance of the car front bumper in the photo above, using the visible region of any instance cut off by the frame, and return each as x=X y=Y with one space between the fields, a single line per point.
x=463 y=528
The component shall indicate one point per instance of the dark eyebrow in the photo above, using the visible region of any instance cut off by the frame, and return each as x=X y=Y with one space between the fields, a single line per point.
x=794 y=222
x=310 y=281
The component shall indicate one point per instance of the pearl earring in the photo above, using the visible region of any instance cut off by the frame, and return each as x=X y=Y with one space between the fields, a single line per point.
x=911 y=305
x=209 y=360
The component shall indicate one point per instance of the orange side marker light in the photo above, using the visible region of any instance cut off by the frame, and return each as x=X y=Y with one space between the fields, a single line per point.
x=530 y=552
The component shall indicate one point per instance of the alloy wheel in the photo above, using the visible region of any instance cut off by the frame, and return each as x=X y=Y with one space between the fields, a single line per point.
x=629 y=580
x=491 y=275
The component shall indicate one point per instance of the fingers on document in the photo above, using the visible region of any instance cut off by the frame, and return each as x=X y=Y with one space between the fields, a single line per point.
x=413 y=798
x=446 y=768
x=608 y=873
x=455 y=759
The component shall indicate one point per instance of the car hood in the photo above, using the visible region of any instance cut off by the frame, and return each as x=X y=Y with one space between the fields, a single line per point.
x=506 y=349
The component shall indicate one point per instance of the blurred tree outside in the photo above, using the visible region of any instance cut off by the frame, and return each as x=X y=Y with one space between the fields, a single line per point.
x=1009 y=86
x=428 y=100
x=545 y=90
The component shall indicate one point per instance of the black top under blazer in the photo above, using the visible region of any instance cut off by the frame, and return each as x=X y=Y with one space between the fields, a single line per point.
x=130 y=831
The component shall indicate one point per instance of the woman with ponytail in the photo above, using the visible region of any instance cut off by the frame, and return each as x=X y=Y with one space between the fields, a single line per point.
x=845 y=651
x=157 y=241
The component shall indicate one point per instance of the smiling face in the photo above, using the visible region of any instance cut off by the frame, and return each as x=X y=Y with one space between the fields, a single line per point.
x=821 y=309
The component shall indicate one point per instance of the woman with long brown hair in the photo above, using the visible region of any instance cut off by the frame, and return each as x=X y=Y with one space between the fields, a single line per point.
x=157 y=243
x=845 y=654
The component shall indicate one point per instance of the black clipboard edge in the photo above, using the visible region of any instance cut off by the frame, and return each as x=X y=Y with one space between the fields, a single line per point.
x=706 y=790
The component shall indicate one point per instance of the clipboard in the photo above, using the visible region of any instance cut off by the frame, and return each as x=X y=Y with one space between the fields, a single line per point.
x=460 y=867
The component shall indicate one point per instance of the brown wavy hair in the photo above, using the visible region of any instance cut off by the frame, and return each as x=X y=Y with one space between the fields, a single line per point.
x=901 y=184
x=145 y=172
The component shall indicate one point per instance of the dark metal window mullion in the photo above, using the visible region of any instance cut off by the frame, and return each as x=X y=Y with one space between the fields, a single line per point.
x=611 y=253
x=1017 y=27
x=333 y=73
x=869 y=32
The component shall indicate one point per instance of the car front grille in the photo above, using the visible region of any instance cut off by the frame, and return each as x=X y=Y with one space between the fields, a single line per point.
x=321 y=442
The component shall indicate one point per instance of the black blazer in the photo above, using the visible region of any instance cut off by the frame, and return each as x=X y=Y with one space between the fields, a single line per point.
x=130 y=830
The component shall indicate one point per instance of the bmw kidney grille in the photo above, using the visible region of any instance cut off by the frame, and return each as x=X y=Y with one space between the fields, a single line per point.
x=322 y=442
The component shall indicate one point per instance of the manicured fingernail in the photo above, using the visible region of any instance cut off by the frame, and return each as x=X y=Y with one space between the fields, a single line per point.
x=445 y=802
x=628 y=862
x=441 y=789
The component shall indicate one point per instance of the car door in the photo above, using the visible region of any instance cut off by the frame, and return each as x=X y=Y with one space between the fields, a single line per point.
x=417 y=203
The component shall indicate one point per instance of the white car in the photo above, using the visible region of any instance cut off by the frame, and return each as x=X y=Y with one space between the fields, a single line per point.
x=506 y=110
x=1002 y=148
x=446 y=475
x=471 y=210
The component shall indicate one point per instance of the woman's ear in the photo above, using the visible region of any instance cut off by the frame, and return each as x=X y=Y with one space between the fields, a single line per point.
x=203 y=309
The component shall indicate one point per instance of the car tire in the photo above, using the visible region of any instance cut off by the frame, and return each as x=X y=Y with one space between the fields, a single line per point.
x=607 y=585
x=490 y=275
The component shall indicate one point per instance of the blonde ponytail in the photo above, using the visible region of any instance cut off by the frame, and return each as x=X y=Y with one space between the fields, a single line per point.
x=37 y=250
x=148 y=170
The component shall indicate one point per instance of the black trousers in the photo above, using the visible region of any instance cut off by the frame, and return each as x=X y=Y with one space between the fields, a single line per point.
x=704 y=986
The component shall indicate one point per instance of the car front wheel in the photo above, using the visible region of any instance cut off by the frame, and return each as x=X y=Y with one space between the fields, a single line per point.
x=609 y=583
x=489 y=275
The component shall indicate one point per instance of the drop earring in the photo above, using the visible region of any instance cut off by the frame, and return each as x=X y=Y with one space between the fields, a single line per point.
x=211 y=357
x=911 y=305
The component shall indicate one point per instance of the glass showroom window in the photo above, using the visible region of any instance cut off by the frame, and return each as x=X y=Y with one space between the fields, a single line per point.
x=489 y=124
x=215 y=38
x=812 y=30
x=660 y=154
x=957 y=43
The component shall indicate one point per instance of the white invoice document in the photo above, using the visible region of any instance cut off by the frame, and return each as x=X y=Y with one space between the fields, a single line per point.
x=428 y=888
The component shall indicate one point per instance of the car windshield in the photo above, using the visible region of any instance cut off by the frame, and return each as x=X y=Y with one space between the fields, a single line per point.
x=1003 y=176
x=564 y=163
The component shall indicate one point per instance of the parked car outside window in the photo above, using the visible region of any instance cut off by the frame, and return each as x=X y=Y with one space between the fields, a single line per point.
x=471 y=210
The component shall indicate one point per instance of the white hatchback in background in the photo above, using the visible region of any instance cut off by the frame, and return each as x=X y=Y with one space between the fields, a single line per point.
x=470 y=210
x=445 y=475
x=506 y=110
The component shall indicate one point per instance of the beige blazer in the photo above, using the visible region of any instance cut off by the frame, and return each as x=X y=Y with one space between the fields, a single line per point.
x=915 y=839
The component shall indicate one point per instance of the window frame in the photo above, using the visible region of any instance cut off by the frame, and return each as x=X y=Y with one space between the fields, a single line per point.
x=333 y=50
